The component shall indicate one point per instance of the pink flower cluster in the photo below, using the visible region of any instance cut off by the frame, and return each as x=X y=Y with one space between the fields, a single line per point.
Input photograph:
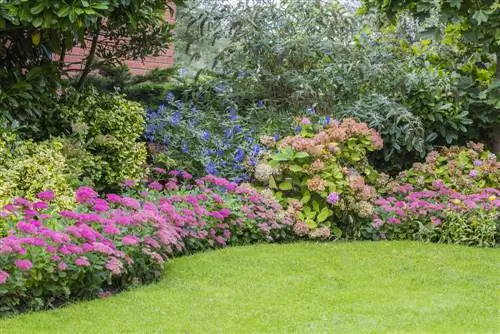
x=326 y=141
x=433 y=204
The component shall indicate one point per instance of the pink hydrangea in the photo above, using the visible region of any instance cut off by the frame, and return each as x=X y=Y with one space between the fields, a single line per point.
x=305 y=121
x=301 y=229
x=131 y=203
x=40 y=205
x=100 y=205
x=114 y=198
x=186 y=176
x=128 y=183
x=160 y=170
x=62 y=266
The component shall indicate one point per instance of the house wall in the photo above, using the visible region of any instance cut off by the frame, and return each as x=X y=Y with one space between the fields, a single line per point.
x=75 y=58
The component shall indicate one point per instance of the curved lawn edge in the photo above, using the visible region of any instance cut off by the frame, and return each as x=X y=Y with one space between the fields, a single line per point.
x=298 y=288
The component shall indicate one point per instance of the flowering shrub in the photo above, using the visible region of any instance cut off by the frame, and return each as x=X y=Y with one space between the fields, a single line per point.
x=324 y=175
x=213 y=211
x=439 y=215
x=202 y=142
x=108 y=244
x=49 y=258
x=466 y=169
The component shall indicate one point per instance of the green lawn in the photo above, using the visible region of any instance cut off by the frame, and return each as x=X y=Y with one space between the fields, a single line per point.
x=300 y=288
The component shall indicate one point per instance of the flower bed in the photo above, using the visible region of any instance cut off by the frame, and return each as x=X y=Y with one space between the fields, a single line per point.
x=109 y=244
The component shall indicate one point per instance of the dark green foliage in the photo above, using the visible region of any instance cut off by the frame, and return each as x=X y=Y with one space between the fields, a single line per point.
x=149 y=89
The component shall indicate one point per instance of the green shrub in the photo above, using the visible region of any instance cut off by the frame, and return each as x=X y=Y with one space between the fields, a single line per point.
x=325 y=175
x=26 y=168
x=107 y=126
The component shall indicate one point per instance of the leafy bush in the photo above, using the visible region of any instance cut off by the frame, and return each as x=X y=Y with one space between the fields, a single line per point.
x=26 y=168
x=324 y=175
x=29 y=97
x=466 y=169
x=439 y=215
x=107 y=126
x=295 y=54
x=149 y=89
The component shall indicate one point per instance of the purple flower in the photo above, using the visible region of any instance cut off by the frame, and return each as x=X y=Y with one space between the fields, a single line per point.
x=232 y=114
x=333 y=198
x=473 y=173
x=211 y=168
x=83 y=194
x=205 y=135
x=170 y=97
x=82 y=261
x=130 y=240
x=477 y=163
x=435 y=221
x=155 y=186
x=305 y=121
x=239 y=155
x=176 y=118
x=24 y=265
x=47 y=195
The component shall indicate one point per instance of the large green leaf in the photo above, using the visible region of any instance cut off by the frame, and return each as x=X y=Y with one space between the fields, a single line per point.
x=286 y=185
x=324 y=214
x=300 y=155
x=272 y=183
x=306 y=197
x=295 y=168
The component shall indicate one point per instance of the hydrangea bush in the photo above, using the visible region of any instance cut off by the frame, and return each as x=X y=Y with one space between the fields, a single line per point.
x=323 y=173
x=467 y=169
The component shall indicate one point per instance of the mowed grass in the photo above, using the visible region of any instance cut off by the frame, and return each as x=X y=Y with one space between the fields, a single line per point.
x=360 y=287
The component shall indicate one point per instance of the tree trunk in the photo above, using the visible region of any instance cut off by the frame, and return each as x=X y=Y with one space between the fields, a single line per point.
x=90 y=58
x=496 y=128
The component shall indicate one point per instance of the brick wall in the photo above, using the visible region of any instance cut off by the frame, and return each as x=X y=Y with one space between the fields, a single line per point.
x=74 y=58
